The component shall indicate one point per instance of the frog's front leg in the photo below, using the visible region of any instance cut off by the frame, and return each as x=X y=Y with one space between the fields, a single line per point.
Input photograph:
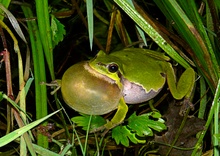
x=119 y=115
x=117 y=119
x=55 y=84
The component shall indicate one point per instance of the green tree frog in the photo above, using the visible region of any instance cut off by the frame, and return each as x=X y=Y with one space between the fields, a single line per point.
x=133 y=75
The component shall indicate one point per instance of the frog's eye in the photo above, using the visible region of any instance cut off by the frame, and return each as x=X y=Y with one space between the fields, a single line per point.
x=112 y=68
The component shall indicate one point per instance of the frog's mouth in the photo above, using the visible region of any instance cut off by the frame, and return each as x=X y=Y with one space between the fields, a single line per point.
x=97 y=74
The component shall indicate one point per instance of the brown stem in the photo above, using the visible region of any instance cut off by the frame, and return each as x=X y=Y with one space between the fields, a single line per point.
x=110 y=30
x=214 y=15
x=75 y=4
x=6 y=59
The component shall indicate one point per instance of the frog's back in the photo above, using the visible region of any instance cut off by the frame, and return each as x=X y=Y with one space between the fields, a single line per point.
x=136 y=52
x=142 y=66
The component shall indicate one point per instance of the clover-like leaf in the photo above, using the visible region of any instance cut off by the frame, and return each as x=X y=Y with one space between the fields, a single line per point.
x=83 y=121
x=122 y=135
x=142 y=124
x=58 y=30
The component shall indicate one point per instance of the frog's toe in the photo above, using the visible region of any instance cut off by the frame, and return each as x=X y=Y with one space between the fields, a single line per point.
x=186 y=103
x=97 y=129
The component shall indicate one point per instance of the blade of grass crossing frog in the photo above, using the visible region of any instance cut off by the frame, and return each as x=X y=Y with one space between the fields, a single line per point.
x=89 y=9
x=139 y=20
x=141 y=33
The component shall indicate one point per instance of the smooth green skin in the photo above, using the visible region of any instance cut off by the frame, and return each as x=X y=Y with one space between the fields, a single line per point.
x=145 y=68
x=149 y=69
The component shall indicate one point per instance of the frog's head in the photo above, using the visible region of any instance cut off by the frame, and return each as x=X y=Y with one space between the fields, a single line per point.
x=107 y=65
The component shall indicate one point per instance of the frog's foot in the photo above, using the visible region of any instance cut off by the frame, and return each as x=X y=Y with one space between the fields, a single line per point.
x=97 y=129
x=102 y=128
x=186 y=103
x=105 y=128
x=54 y=84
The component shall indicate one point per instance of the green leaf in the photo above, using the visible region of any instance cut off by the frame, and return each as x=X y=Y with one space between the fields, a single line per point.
x=13 y=21
x=140 y=31
x=58 y=30
x=217 y=136
x=142 y=124
x=43 y=151
x=1 y=96
x=89 y=10
x=16 y=106
x=16 y=133
x=28 y=84
x=83 y=120
x=122 y=134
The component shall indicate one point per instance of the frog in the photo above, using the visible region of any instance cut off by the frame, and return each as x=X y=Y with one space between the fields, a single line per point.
x=109 y=82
